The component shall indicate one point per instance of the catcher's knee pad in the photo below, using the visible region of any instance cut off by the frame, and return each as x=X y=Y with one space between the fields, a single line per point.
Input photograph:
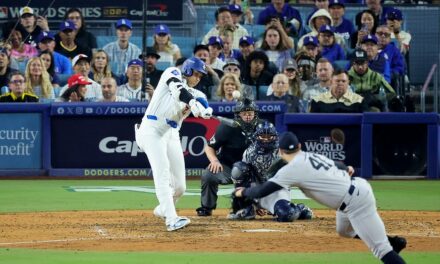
x=240 y=173
x=284 y=212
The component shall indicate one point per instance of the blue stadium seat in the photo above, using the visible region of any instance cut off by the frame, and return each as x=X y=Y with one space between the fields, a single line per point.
x=57 y=91
x=104 y=40
x=341 y=64
x=63 y=79
x=255 y=31
x=162 y=65
x=262 y=92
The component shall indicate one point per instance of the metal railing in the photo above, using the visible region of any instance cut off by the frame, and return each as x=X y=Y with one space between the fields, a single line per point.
x=425 y=87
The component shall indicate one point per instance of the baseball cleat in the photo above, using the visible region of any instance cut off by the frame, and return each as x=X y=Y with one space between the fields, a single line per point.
x=398 y=243
x=180 y=223
x=158 y=213
x=203 y=211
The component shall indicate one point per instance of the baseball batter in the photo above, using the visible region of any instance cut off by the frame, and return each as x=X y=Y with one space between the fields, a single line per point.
x=331 y=184
x=158 y=134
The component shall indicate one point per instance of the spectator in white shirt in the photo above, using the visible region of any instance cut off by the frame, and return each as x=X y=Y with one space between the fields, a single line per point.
x=108 y=85
x=132 y=90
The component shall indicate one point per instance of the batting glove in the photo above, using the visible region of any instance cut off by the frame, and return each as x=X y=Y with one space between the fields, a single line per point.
x=206 y=113
x=196 y=107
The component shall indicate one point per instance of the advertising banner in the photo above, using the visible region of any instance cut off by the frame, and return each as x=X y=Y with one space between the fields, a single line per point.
x=20 y=141
x=97 y=142
x=96 y=10
x=336 y=142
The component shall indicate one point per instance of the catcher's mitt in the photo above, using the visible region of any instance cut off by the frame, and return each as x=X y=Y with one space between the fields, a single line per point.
x=275 y=167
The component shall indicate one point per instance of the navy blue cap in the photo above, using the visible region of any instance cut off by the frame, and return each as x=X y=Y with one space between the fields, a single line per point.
x=136 y=62
x=215 y=40
x=311 y=40
x=161 y=28
x=288 y=141
x=45 y=35
x=394 y=14
x=235 y=9
x=369 y=38
x=246 y=39
x=123 y=22
x=336 y=2
x=68 y=24
x=327 y=28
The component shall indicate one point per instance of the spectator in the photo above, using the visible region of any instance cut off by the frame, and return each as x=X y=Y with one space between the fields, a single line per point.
x=108 y=85
x=366 y=24
x=343 y=26
x=247 y=45
x=377 y=62
x=4 y=66
x=282 y=10
x=76 y=90
x=278 y=23
x=38 y=80
x=339 y=99
x=17 y=94
x=47 y=58
x=394 y=19
x=280 y=86
x=306 y=70
x=311 y=48
x=256 y=74
x=232 y=66
x=228 y=84
x=31 y=25
x=223 y=18
x=132 y=90
x=324 y=72
x=46 y=41
x=67 y=45
x=320 y=18
x=377 y=9
x=329 y=48
x=167 y=50
x=386 y=46
x=367 y=82
x=290 y=69
x=215 y=47
x=227 y=37
x=274 y=45
x=122 y=50
x=237 y=13
x=100 y=67
x=210 y=80
x=82 y=36
x=81 y=66
x=319 y=4
x=153 y=74
x=21 y=51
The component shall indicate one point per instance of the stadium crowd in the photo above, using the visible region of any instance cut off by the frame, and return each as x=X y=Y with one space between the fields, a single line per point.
x=329 y=64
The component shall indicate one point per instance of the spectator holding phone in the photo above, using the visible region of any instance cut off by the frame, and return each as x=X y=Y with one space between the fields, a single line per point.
x=366 y=23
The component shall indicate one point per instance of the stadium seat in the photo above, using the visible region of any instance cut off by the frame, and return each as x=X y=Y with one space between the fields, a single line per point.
x=163 y=65
x=341 y=64
x=63 y=79
x=57 y=91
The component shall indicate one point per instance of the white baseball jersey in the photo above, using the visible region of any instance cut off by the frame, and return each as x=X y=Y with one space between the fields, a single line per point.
x=165 y=105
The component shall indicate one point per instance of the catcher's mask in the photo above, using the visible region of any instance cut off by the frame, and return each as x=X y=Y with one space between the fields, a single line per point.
x=246 y=105
x=266 y=137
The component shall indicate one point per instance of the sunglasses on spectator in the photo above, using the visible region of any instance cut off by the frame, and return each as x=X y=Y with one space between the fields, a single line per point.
x=383 y=34
x=290 y=70
x=17 y=81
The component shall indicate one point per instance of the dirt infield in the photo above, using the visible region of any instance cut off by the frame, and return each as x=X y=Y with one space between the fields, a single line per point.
x=141 y=231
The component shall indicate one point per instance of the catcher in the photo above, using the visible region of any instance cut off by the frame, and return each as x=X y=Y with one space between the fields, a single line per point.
x=260 y=162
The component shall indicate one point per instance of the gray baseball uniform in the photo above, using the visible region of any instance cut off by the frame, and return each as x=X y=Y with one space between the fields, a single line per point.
x=353 y=198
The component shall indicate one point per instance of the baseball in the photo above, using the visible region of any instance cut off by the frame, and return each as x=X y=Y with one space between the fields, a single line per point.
x=236 y=94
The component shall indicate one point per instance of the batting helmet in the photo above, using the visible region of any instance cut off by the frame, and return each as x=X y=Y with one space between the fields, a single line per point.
x=284 y=212
x=193 y=64
x=266 y=137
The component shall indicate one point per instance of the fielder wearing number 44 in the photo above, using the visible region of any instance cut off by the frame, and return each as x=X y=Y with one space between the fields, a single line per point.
x=331 y=184
x=158 y=134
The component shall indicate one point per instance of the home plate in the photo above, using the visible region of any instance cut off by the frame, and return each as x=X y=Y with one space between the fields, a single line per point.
x=261 y=230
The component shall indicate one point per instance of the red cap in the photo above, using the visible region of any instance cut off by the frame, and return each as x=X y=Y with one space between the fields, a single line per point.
x=77 y=79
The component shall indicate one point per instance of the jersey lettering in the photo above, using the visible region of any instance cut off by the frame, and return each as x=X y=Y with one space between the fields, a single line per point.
x=318 y=163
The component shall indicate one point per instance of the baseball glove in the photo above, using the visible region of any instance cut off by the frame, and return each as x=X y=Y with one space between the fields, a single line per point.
x=275 y=167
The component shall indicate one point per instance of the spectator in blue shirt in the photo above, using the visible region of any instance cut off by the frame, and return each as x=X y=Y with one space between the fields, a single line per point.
x=282 y=10
x=376 y=61
x=343 y=26
x=329 y=48
x=46 y=41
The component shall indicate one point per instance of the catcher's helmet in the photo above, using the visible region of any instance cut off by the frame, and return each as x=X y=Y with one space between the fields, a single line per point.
x=193 y=64
x=245 y=105
x=266 y=137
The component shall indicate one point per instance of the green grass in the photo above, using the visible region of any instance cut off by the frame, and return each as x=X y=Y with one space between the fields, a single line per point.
x=25 y=256
x=53 y=195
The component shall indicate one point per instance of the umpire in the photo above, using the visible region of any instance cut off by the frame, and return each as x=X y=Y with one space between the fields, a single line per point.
x=224 y=148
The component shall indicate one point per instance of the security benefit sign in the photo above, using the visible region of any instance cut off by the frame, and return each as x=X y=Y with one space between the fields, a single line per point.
x=109 y=142
x=340 y=143
x=20 y=141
